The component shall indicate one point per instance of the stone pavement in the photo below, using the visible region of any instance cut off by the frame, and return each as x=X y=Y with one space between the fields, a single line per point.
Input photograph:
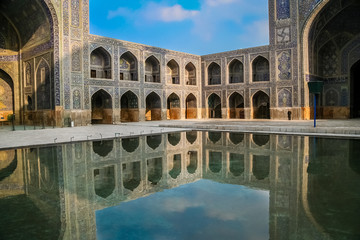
x=26 y=138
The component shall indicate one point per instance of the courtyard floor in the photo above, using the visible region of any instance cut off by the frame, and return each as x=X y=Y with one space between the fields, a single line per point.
x=26 y=138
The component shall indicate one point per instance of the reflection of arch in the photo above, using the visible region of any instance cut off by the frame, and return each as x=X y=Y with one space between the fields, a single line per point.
x=176 y=166
x=153 y=107
x=261 y=105
x=128 y=67
x=236 y=71
x=260 y=140
x=354 y=161
x=260 y=68
x=173 y=107
x=191 y=136
x=214 y=106
x=129 y=107
x=236 y=106
x=104 y=180
x=236 y=164
x=173 y=72
x=100 y=63
x=214 y=137
x=236 y=138
x=192 y=162
x=354 y=90
x=215 y=161
x=131 y=175
x=103 y=148
x=152 y=70
x=174 y=138
x=261 y=166
x=130 y=144
x=101 y=107
x=214 y=74
x=153 y=141
x=6 y=95
x=190 y=74
x=9 y=169
x=191 y=107
x=154 y=169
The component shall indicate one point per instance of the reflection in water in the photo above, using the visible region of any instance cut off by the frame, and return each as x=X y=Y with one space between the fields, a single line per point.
x=191 y=136
x=104 y=180
x=176 y=166
x=103 y=148
x=214 y=136
x=215 y=161
x=261 y=166
x=131 y=175
x=192 y=162
x=236 y=164
x=153 y=141
x=55 y=192
x=154 y=167
x=174 y=138
x=236 y=138
x=130 y=144
x=261 y=140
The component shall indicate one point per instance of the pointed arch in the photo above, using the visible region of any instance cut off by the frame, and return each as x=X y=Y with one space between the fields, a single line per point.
x=260 y=69
x=236 y=106
x=101 y=107
x=6 y=95
x=191 y=107
x=128 y=67
x=173 y=72
x=129 y=107
x=100 y=64
x=190 y=74
x=104 y=181
x=176 y=166
x=261 y=105
x=153 y=107
x=214 y=106
x=214 y=74
x=131 y=175
x=236 y=71
x=152 y=70
x=43 y=86
x=173 y=107
x=154 y=170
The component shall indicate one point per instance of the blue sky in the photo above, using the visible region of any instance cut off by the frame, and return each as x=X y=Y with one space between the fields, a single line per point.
x=194 y=26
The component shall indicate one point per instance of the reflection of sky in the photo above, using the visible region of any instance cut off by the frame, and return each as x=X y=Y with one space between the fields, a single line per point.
x=199 y=210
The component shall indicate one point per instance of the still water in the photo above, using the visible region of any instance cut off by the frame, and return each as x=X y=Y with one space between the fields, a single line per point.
x=188 y=185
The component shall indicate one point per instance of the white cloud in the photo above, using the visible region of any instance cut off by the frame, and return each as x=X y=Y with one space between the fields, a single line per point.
x=255 y=34
x=175 y=13
x=214 y=3
x=120 y=12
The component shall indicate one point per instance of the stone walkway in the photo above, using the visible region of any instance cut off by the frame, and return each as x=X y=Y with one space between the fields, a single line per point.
x=26 y=138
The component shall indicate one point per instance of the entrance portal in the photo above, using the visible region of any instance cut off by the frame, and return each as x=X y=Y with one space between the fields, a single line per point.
x=101 y=108
x=354 y=89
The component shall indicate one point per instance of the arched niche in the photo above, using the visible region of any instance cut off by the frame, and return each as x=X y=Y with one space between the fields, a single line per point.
x=236 y=138
x=214 y=74
x=236 y=106
x=154 y=170
x=104 y=180
x=6 y=96
x=192 y=161
x=214 y=106
x=261 y=105
x=215 y=161
x=128 y=67
x=190 y=74
x=237 y=165
x=131 y=175
x=103 y=148
x=101 y=108
x=173 y=107
x=153 y=107
x=174 y=138
x=260 y=69
x=100 y=63
x=191 y=107
x=236 y=71
x=173 y=72
x=152 y=70
x=176 y=166
x=261 y=167
x=154 y=141
x=130 y=144
x=191 y=136
x=129 y=107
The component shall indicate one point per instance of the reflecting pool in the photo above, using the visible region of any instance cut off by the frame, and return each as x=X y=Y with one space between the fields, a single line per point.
x=187 y=185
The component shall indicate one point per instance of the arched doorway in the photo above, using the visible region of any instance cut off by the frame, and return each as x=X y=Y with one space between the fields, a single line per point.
x=153 y=107
x=214 y=74
x=214 y=106
x=100 y=63
x=260 y=68
x=152 y=70
x=128 y=67
x=101 y=108
x=236 y=72
x=173 y=72
x=261 y=105
x=190 y=74
x=236 y=106
x=129 y=107
x=354 y=90
x=191 y=107
x=173 y=107
x=330 y=50
x=6 y=96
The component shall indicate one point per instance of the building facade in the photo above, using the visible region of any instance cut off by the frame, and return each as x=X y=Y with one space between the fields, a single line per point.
x=52 y=70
